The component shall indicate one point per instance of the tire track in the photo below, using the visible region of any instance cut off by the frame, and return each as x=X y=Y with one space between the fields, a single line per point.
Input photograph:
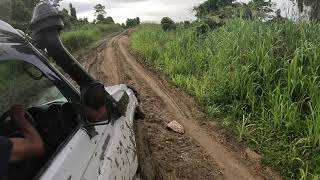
x=202 y=156
x=231 y=167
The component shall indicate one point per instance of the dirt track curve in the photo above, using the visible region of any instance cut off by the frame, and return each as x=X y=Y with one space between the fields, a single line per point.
x=203 y=152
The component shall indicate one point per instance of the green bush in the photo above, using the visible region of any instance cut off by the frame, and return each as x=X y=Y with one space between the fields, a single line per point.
x=106 y=29
x=83 y=36
x=130 y=23
x=168 y=24
x=75 y=40
x=261 y=80
x=208 y=24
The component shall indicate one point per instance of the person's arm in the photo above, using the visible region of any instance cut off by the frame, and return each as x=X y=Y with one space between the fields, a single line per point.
x=31 y=145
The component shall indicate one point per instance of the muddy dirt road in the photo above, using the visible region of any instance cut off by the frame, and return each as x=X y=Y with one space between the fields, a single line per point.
x=202 y=152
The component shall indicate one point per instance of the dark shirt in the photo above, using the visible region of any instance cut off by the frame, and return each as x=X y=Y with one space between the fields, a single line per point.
x=5 y=153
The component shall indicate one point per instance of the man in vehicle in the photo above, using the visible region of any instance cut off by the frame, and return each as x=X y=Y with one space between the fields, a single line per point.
x=20 y=149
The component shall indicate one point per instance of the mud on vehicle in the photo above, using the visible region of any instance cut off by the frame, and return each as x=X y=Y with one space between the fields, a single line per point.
x=75 y=147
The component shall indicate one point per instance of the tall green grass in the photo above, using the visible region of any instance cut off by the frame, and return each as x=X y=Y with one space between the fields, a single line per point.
x=81 y=37
x=261 y=79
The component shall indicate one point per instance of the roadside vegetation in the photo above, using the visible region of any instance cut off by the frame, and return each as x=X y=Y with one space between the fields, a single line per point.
x=83 y=36
x=261 y=78
x=78 y=32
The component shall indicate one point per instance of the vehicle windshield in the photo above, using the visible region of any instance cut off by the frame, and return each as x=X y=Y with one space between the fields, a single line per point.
x=23 y=83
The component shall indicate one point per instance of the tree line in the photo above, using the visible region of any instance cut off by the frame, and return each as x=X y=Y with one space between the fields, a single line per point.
x=18 y=13
x=214 y=13
x=313 y=5
x=254 y=9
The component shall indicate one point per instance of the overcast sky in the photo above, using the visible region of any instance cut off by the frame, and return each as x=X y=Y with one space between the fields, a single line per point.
x=147 y=10
x=151 y=10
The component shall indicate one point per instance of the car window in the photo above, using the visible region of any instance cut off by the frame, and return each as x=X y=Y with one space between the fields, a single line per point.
x=23 y=83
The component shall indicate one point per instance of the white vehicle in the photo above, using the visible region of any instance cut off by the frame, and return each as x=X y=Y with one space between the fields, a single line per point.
x=75 y=148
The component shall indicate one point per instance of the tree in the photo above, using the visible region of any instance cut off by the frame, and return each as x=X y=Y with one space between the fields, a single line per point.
x=103 y=20
x=83 y=21
x=226 y=9
x=100 y=13
x=70 y=20
x=310 y=6
x=260 y=8
x=64 y=12
x=30 y=4
x=168 y=24
x=132 y=22
x=55 y=3
x=4 y=10
x=73 y=12
x=211 y=7
x=100 y=10
x=314 y=6
x=100 y=18
x=18 y=11
x=109 y=20
x=67 y=19
x=186 y=23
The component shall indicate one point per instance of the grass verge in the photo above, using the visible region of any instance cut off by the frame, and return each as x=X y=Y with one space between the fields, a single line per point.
x=81 y=37
x=261 y=79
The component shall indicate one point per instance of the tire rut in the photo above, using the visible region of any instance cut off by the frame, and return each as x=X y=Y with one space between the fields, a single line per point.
x=164 y=154
x=231 y=168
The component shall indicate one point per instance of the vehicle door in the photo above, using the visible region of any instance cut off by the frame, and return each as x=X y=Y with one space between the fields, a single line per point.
x=115 y=155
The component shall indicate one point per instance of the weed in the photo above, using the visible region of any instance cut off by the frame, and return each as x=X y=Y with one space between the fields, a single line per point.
x=264 y=77
x=81 y=37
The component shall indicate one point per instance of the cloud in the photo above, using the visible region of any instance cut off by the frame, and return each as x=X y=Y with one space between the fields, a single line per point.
x=147 y=10
x=81 y=6
x=129 y=1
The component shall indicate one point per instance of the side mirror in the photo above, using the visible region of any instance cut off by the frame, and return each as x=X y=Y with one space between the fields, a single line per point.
x=94 y=104
x=99 y=107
